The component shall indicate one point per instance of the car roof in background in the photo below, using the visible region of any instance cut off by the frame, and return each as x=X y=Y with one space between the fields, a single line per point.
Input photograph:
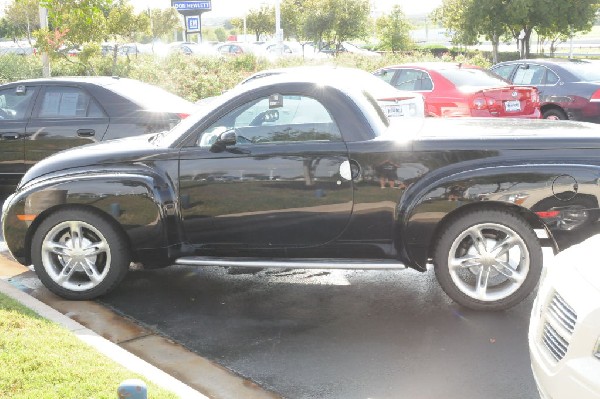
x=433 y=65
x=144 y=94
x=343 y=78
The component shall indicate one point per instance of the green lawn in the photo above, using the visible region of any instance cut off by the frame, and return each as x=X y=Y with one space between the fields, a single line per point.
x=41 y=360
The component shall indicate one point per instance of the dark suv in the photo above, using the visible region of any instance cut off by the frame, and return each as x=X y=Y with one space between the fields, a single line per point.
x=39 y=117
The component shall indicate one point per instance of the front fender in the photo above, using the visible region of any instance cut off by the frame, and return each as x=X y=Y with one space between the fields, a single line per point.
x=531 y=189
x=141 y=202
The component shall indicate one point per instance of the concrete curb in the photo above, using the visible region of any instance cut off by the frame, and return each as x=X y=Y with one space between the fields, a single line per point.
x=102 y=345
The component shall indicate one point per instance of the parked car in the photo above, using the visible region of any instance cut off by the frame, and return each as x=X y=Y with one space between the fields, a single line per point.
x=564 y=331
x=569 y=89
x=293 y=49
x=236 y=48
x=395 y=103
x=190 y=48
x=39 y=117
x=305 y=171
x=347 y=47
x=454 y=89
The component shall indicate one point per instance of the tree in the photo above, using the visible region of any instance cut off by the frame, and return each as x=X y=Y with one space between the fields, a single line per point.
x=74 y=22
x=261 y=21
x=292 y=18
x=319 y=20
x=122 y=24
x=22 y=16
x=393 y=30
x=163 y=22
x=495 y=19
x=351 y=22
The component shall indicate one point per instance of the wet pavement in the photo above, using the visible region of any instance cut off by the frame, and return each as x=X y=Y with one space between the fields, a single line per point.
x=335 y=334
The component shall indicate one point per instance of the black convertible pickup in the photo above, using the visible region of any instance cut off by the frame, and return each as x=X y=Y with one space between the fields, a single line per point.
x=299 y=171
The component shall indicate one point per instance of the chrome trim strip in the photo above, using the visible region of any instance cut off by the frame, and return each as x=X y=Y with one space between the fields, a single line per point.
x=350 y=264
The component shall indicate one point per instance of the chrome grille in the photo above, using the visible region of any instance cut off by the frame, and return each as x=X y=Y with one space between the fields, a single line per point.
x=556 y=345
x=562 y=313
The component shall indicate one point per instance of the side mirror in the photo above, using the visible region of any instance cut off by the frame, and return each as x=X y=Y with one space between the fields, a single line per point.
x=225 y=139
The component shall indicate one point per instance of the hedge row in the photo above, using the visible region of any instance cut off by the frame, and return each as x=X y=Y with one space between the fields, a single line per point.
x=195 y=78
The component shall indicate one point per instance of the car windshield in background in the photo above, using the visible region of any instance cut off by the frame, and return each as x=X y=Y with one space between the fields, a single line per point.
x=470 y=77
x=147 y=96
x=584 y=71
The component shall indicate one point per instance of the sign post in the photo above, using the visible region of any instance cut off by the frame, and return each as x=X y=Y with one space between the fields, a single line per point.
x=192 y=12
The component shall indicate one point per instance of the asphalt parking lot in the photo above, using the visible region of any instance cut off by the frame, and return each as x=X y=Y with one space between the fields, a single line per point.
x=340 y=334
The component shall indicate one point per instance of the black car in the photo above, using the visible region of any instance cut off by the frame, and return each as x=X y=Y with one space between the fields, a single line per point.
x=39 y=117
x=569 y=88
x=306 y=171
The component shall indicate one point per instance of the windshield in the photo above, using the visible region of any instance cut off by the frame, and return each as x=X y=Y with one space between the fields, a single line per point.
x=471 y=77
x=584 y=71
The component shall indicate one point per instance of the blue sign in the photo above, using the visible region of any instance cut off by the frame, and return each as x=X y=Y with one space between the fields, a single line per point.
x=192 y=23
x=192 y=5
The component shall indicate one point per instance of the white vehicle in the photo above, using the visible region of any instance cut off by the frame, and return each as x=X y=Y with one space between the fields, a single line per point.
x=564 y=331
x=395 y=103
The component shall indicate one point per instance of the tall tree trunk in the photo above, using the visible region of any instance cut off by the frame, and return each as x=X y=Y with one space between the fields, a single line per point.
x=495 y=45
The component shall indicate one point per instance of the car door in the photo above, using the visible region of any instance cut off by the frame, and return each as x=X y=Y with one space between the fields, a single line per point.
x=285 y=183
x=418 y=81
x=16 y=102
x=64 y=116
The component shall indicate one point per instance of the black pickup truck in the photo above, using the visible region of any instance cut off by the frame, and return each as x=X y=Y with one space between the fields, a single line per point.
x=298 y=171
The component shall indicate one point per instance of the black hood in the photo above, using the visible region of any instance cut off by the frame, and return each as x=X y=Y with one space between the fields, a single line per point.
x=111 y=152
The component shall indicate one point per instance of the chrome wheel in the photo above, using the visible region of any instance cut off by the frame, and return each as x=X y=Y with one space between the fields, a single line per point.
x=76 y=255
x=488 y=259
x=488 y=262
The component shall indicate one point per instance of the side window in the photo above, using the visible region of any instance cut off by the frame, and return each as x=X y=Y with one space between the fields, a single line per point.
x=551 y=78
x=273 y=119
x=529 y=75
x=68 y=102
x=386 y=75
x=413 y=79
x=504 y=71
x=15 y=101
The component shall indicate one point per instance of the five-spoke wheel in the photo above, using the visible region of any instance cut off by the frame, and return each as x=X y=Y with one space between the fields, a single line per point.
x=488 y=260
x=78 y=254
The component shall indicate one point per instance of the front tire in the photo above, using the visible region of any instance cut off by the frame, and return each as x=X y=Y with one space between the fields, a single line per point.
x=79 y=255
x=488 y=260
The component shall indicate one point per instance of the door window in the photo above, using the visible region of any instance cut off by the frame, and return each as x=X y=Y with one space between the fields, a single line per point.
x=504 y=71
x=15 y=101
x=68 y=102
x=530 y=75
x=414 y=80
x=275 y=119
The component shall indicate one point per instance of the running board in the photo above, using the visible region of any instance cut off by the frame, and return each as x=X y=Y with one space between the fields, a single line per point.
x=353 y=264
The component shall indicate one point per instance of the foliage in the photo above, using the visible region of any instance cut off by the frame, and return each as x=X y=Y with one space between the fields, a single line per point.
x=468 y=19
x=22 y=18
x=393 y=31
x=261 y=21
x=39 y=359
x=163 y=22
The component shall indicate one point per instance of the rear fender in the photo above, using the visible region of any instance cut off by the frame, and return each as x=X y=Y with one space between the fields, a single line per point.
x=431 y=203
x=143 y=205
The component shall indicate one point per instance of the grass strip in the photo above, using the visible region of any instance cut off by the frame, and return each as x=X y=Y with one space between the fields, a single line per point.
x=40 y=359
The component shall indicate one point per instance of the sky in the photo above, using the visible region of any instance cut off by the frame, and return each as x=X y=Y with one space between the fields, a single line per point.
x=235 y=8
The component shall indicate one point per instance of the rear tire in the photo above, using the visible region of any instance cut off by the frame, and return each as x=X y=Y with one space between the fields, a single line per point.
x=554 y=114
x=488 y=260
x=79 y=255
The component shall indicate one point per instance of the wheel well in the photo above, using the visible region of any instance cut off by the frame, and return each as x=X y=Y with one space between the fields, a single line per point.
x=46 y=213
x=534 y=221
x=548 y=107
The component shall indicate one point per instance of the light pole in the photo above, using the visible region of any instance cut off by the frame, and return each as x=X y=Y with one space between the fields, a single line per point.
x=278 y=31
x=44 y=25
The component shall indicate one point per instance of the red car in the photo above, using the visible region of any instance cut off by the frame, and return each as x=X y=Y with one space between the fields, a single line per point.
x=453 y=89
